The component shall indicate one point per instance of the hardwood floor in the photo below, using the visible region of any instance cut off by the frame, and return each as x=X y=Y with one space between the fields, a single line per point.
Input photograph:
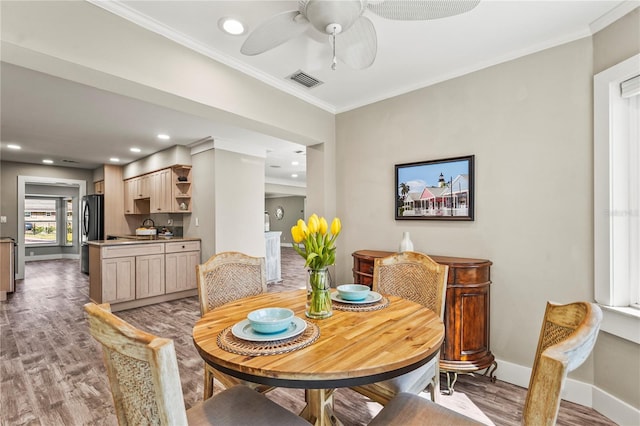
x=51 y=370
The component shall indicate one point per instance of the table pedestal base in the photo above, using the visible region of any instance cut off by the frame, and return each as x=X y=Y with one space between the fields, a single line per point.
x=319 y=409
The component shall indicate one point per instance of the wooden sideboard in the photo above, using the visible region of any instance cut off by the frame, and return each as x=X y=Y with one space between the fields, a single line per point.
x=466 y=317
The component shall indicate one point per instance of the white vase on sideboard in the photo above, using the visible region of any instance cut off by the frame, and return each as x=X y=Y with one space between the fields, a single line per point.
x=406 y=244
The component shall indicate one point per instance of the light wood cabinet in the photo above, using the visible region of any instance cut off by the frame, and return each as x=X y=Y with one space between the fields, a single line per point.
x=143 y=186
x=113 y=189
x=160 y=199
x=180 y=265
x=181 y=189
x=149 y=275
x=164 y=191
x=7 y=272
x=130 y=188
x=98 y=187
x=119 y=276
x=132 y=275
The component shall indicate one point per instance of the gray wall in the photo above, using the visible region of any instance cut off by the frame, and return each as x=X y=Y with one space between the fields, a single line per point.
x=239 y=203
x=529 y=124
x=203 y=198
x=293 y=210
x=617 y=361
x=9 y=172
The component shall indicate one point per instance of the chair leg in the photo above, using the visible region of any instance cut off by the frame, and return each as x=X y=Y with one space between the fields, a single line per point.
x=208 y=384
x=435 y=385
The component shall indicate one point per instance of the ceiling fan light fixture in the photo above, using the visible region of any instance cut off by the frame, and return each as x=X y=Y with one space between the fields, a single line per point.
x=232 y=26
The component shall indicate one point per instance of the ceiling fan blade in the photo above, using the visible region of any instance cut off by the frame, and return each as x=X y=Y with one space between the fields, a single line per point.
x=419 y=10
x=273 y=32
x=357 y=47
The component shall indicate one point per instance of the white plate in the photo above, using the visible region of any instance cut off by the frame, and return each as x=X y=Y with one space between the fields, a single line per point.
x=243 y=330
x=371 y=297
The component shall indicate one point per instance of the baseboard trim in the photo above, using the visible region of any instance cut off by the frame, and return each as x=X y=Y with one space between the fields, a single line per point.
x=51 y=257
x=615 y=409
x=576 y=391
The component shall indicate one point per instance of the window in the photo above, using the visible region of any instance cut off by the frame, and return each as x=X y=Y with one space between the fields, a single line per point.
x=617 y=186
x=41 y=227
x=69 y=221
x=44 y=216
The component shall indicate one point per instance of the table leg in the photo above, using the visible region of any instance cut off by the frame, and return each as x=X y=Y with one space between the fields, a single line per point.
x=319 y=409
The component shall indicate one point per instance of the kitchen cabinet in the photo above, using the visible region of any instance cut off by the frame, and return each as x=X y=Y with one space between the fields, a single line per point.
x=163 y=191
x=130 y=274
x=160 y=199
x=7 y=263
x=143 y=186
x=114 y=198
x=98 y=187
x=130 y=188
x=149 y=275
x=182 y=189
x=120 y=274
x=181 y=261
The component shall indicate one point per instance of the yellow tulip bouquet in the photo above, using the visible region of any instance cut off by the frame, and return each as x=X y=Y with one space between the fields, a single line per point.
x=319 y=251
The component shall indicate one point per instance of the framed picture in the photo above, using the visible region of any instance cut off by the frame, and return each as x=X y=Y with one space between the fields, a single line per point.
x=435 y=190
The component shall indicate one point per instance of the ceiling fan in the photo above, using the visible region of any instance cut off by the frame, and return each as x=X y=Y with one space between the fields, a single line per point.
x=352 y=35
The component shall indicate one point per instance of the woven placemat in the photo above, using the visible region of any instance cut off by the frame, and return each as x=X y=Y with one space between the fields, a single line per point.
x=230 y=343
x=364 y=307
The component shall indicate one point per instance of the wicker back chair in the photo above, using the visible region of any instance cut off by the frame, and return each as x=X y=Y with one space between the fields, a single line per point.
x=229 y=276
x=145 y=382
x=417 y=277
x=567 y=338
x=224 y=278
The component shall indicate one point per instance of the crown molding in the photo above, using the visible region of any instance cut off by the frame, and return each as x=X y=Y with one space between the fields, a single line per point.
x=613 y=15
x=131 y=15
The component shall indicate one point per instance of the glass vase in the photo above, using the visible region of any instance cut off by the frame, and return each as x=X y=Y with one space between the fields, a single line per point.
x=318 y=294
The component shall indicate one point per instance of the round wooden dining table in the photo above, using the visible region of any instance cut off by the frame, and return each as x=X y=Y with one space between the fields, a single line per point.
x=353 y=348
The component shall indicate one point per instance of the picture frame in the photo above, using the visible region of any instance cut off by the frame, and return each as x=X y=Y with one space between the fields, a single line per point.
x=435 y=189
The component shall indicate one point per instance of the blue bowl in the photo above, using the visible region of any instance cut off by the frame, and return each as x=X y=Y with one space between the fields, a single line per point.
x=270 y=320
x=353 y=291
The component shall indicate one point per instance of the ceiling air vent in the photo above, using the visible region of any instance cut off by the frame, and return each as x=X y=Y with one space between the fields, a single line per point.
x=305 y=79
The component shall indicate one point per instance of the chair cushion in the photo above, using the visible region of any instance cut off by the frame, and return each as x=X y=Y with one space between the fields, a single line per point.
x=408 y=409
x=240 y=405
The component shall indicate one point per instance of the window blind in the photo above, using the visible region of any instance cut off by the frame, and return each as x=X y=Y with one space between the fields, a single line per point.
x=631 y=87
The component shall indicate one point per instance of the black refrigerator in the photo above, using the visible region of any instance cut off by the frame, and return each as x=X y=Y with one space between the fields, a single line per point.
x=91 y=225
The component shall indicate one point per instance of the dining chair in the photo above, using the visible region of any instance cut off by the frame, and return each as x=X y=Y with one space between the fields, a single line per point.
x=145 y=382
x=224 y=278
x=416 y=277
x=567 y=338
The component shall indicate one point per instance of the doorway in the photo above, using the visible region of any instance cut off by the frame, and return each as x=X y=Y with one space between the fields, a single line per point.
x=66 y=190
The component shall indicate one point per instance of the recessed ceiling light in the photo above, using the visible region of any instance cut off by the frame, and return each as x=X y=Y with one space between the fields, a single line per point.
x=231 y=26
x=164 y=137
x=13 y=146
x=294 y=163
x=47 y=161
x=294 y=175
x=114 y=160
x=134 y=149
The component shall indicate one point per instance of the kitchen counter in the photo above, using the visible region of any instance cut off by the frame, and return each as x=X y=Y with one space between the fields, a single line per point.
x=140 y=239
